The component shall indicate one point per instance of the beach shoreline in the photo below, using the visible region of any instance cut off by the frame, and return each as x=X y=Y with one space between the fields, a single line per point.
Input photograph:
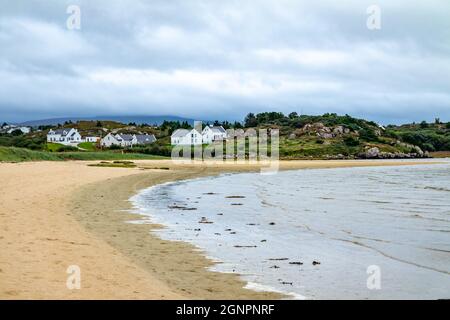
x=60 y=214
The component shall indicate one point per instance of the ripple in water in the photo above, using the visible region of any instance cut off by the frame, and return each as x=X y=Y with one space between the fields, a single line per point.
x=313 y=233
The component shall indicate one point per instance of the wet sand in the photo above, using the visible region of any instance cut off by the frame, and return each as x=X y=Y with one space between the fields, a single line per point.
x=56 y=214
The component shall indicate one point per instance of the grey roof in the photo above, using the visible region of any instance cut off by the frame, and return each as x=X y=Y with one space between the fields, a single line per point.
x=58 y=131
x=126 y=137
x=180 y=133
x=218 y=129
x=145 y=138
x=63 y=131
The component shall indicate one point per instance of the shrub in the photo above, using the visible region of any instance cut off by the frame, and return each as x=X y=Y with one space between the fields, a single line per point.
x=320 y=141
x=368 y=135
x=67 y=149
x=351 y=142
x=114 y=147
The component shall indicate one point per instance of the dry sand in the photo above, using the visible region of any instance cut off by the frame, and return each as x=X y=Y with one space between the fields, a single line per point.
x=57 y=214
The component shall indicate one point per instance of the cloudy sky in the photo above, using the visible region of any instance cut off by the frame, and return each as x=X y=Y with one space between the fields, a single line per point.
x=222 y=59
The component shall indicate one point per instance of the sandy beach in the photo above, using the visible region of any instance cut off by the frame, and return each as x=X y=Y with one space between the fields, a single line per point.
x=57 y=214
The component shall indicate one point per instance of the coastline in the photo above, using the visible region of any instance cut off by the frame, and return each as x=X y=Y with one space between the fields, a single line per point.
x=58 y=214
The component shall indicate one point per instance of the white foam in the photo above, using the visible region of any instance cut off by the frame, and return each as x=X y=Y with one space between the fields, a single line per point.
x=263 y=288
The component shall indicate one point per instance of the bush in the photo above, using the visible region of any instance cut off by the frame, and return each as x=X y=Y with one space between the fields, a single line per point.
x=153 y=149
x=115 y=147
x=368 y=135
x=351 y=142
x=23 y=141
x=320 y=141
x=427 y=147
x=424 y=124
x=67 y=149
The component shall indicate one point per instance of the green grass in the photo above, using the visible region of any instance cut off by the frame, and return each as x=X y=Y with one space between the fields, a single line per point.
x=21 y=154
x=13 y=154
x=89 y=146
x=53 y=147
x=107 y=155
x=57 y=147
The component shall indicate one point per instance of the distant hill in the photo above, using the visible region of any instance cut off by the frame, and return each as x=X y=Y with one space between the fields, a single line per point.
x=123 y=119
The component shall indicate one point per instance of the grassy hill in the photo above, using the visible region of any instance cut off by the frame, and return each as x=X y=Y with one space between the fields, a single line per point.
x=328 y=136
x=430 y=137
x=333 y=136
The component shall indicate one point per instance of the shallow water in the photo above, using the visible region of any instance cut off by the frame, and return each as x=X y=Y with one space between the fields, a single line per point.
x=270 y=229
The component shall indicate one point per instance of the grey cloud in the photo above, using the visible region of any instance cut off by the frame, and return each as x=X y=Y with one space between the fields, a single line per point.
x=222 y=59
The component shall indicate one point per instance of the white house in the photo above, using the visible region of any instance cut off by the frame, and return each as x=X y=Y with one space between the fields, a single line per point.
x=213 y=133
x=110 y=140
x=186 y=137
x=193 y=137
x=65 y=136
x=24 y=130
x=127 y=140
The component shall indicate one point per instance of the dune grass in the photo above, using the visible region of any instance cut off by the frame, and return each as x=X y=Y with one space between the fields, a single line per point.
x=12 y=154
x=115 y=164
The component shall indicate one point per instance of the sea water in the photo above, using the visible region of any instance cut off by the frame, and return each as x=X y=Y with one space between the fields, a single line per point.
x=345 y=233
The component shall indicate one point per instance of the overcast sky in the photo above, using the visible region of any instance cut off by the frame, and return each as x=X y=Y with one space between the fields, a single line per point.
x=222 y=59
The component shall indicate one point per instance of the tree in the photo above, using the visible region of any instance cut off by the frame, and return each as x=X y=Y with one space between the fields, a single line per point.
x=437 y=121
x=237 y=125
x=185 y=125
x=424 y=124
x=250 y=121
x=99 y=124
x=226 y=125
x=447 y=125
x=293 y=115
x=17 y=132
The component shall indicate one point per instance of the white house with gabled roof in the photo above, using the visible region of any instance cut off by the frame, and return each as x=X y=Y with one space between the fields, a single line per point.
x=213 y=133
x=192 y=137
x=186 y=137
x=66 y=136
x=127 y=140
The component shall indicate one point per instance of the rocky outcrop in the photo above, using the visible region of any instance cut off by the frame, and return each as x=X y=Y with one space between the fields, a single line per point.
x=375 y=153
x=322 y=131
x=372 y=153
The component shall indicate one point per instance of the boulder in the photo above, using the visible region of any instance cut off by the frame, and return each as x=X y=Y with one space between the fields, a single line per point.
x=325 y=135
x=418 y=150
x=319 y=125
x=373 y=153
x=338 y=130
